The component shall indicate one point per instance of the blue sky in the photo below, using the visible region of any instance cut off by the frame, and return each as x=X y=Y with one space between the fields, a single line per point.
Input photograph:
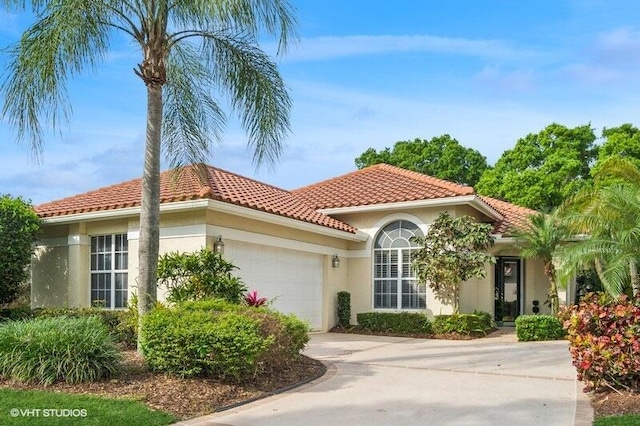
x=368 y=74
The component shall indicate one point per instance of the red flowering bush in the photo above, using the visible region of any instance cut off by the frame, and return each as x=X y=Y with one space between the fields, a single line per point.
x=604 y=336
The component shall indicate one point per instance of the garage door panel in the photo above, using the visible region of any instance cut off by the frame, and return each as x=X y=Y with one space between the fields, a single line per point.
x=292 y=278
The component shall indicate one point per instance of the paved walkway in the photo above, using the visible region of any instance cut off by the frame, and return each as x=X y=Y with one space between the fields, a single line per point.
x=399 y=381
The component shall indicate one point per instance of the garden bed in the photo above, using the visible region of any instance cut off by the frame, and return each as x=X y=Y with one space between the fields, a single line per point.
x=355 y=329
x=184 y=398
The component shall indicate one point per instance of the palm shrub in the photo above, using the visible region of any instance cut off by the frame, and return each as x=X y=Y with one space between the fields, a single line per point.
x=45 y=350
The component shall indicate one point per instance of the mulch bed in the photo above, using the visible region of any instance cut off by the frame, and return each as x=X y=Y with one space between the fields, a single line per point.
x=184 y=398
x=611 y=403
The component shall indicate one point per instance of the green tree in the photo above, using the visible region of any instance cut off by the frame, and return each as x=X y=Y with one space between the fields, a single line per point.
x=19 y=229
x=442 y=157
x=453 y=251
x=607 y=214
x=543 y=169
x=622 y=141
x=540 y=240
x=190 y=50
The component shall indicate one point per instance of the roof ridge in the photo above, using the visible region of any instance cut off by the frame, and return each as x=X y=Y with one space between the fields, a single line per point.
x=424 y=177
x=247 y=178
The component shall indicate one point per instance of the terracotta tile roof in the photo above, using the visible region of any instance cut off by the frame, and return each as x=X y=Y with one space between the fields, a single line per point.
x=215 y=184
x=378 y=184
x=514 y=216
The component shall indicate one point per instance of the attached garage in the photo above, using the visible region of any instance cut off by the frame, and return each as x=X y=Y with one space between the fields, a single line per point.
x=291 y=279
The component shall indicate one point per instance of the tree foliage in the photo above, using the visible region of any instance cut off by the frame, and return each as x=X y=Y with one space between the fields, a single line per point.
x=622 y=141
x=453 y=251
x=19 y=229
x=608 y=215
x=541 y=239
x=543 y=169
x=442 y=157
x=199 y=276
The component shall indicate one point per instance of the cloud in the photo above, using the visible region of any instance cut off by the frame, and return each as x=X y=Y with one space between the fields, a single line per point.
x=333 y=47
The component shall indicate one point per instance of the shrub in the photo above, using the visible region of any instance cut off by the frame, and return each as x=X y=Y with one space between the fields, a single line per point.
x=539 y=327
x=121 y=324
x=15 y=314
x=19 y=229
x=402 y=322
x=219 y=339
x=604 y=341
x=469 y=324
x=197 y=276
x=45 y=350
x=344 y=308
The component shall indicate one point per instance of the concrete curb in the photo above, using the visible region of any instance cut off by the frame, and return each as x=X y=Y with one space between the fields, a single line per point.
x=584 y=410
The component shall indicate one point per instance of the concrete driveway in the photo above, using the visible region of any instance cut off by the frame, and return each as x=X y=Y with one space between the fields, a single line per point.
x=399 y=381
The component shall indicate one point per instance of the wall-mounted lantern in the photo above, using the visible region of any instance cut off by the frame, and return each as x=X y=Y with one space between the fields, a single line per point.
x=218 y=246
x=335 y=262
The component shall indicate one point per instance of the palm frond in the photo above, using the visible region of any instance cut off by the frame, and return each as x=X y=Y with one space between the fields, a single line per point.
x=70 y=36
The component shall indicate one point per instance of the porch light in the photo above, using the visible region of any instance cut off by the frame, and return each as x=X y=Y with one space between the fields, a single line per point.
x=218 y=246
x=335 y=262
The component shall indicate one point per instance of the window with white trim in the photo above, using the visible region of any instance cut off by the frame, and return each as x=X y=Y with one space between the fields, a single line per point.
x=394 y=281
x=109 y=270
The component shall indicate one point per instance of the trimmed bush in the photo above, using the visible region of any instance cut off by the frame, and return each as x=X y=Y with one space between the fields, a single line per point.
x=219 y=339
x=539 y=327
x=604 y=341
x=478 y=323
x=344 y=308
x=45 y=350
x=390 y=322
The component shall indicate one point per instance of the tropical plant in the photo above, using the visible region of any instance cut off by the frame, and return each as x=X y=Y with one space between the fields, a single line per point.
x=540 y=239
x=204 y=274
x=252 y=299
x=188 y=49
x=453 y=251
x=19 y=229
x=607 y=215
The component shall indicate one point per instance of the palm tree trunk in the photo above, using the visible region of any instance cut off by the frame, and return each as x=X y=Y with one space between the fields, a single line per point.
x=635 y=279
x=550 y=271
x=150 y=209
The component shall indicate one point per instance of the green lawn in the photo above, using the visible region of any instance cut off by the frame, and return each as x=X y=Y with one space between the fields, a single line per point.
x=20 y=407
x=624 y=420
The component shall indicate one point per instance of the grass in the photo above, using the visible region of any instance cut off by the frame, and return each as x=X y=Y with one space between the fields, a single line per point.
x=623 y=420
x=67 y=409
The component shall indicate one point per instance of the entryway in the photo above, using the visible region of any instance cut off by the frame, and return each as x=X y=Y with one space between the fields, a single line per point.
x=508 y=289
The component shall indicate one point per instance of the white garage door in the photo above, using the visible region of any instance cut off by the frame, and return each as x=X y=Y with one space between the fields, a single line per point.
x=291 y=279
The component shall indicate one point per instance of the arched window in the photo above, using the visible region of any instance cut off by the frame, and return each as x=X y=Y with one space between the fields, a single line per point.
x=394 y=282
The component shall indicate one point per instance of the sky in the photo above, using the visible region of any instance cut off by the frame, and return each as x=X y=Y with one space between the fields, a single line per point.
x=366 y=73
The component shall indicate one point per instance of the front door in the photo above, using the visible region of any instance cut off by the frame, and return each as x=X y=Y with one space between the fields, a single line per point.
x=508 y=289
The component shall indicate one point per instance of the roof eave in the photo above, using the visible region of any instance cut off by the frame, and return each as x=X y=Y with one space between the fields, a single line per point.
x=214 y=205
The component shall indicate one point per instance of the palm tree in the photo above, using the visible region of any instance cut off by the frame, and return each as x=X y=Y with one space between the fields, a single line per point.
x=540 y=240
x=609 y=216
x=189 y=49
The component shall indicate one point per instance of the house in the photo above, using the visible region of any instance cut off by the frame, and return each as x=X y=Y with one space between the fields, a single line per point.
x=298 y=248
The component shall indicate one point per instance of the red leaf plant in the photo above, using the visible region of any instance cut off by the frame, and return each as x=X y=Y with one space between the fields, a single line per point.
x=252 y=299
